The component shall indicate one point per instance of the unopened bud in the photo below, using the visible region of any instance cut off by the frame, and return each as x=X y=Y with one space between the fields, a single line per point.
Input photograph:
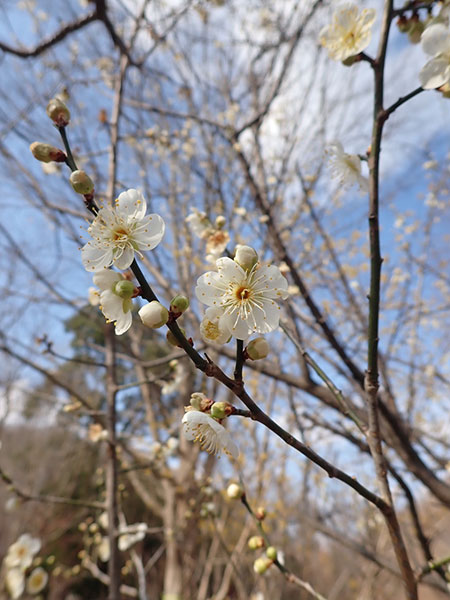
x=271 y=553
x=196 y=400
x=350 y=60
x=403 y=24
x=47 y=153
x=173 y=340
x=219 y=410
x=81 y=182
x=179 y=304
x=416 y=29
x=235 y=491
x=261 y=564
x=246 y=257
x=154 y=314
x=124 y=289
x=58 y=112
x=260 y=513
x=220 y=222
x=258 y=348
x=256 y=542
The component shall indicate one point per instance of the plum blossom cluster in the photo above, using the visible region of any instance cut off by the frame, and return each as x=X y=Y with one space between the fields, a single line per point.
x=17 y=562
x=242 y=297
x=349 y=33
x=202 y=423
x=215 y=235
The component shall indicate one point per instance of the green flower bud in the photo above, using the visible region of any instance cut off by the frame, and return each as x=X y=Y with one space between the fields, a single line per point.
x=415 y=31
x=235 y=491
x=219 y=410
x=47 y=153
x=350 y=60
x=258 y=348
x=246 y=257
x=179 y=304
x=256 y=542
x=124 y=289
x=58 y=112
x=172 y=339
x=81 y=182
x=261 y=565
x=403 y=24
x=271 y=553
x=154 y=315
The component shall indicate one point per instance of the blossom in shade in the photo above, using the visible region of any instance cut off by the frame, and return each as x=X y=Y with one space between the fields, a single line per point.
x=210 y=328
x=15 y=582
x=21 y=553
x=115 y=298
x=209 y=433
x=131 y=535
x=349 y=33
x=37 y=580
x=117 y=233
x=435 y=42
x=346 y=168
x=246 y=299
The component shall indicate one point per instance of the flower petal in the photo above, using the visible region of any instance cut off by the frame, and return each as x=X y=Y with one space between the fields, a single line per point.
x=96 y=258
x=106 y=279
x=149 y=232
x=433 y=73
x=131 y=205
x=124 y=260
x=435 y=39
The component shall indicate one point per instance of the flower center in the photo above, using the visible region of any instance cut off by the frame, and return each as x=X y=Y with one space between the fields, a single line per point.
x=120 y=234
x=242 y=293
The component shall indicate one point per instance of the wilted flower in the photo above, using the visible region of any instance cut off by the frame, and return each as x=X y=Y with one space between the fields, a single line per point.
x=121 y=231
x=246 y=299
x=211 y=435
x=349 y=32
x=346 y=168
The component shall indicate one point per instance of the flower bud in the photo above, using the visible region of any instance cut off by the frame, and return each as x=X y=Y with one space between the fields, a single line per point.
x=235 y=491
x=219 y=410
x=47 y=153
x=271 y=553
x=246 y=257
x=179 y=304
x=403 y=24
x=256 y=542
x=220 y=222
x=416 y=29
x=261 y=564
x=172 y=339
x=154 y=315
x=124 y=289
x=260 y=513
x=196 y=400
x=258 y=348
x=58 y=112
x=350 y=60
x=81 y=182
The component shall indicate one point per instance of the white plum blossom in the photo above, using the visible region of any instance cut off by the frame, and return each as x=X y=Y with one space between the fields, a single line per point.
x=349 y=33
x=115 y=307
x=121 y=231
x=209 y=433
x=199 y=223
x=246 y=299
x=346 y=168
x=15 y=582
x=435 y=42
x=37 y=580
x=21 y=553
x=210 y=328
x=130 y=535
